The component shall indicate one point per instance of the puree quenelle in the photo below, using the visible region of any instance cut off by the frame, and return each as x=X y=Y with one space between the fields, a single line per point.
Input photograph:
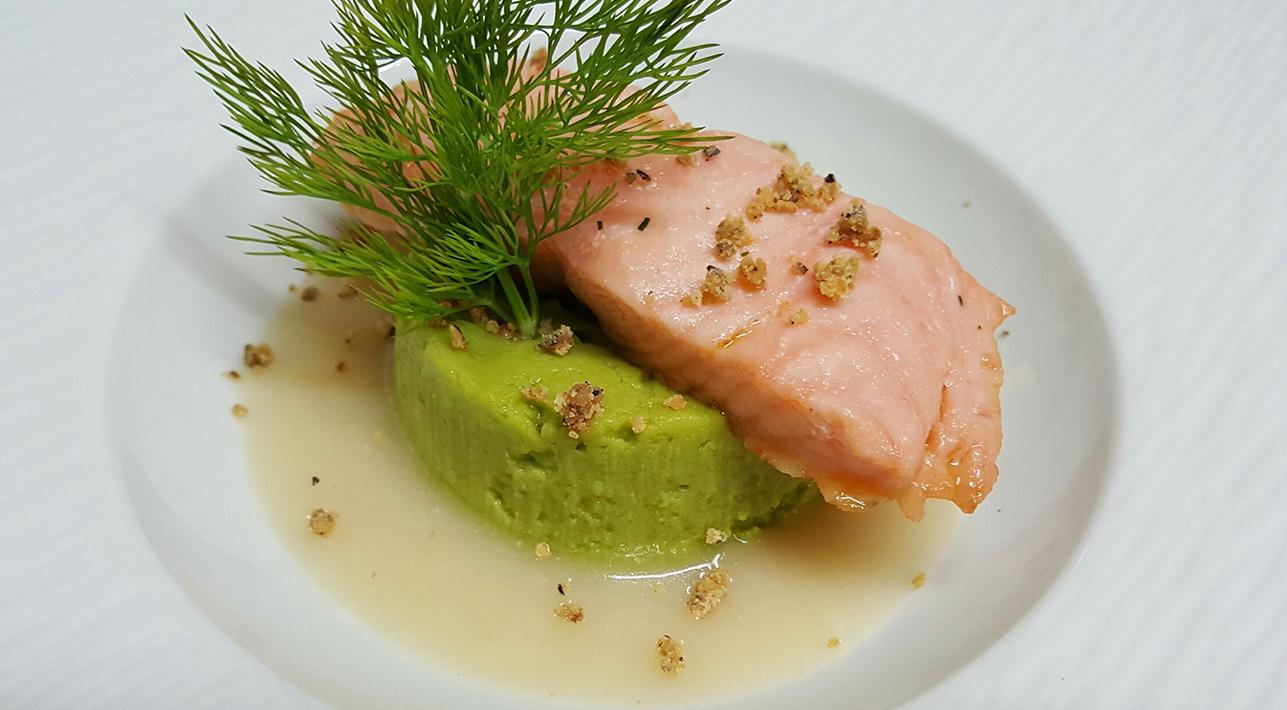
x=608 y=492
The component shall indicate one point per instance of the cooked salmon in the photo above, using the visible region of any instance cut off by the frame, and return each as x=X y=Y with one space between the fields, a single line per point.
x=887 y=391
x=880 y=384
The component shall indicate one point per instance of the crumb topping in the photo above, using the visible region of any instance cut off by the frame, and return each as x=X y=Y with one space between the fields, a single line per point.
x=855 y=228
x=784 y=149
x=753 y=271
x=793 y=189
x=579 y=404
x=714 y=536
x=918 y=580
x=568 y=611
x=833 y=642
x=542 y=550
x=322 y=521
x=731 y=234
x=232 y=375
x=711 y=152
x=534 y=394
x=709 y=591
x=658 y=588
x=837 y=276
x=800 y=317
x=557 y=342
x=458 y=341
x=309 y=294
x=239 y=410
x=798 y=266
x=717 y=284
x=692 y=299
x=257 y=356
x=676 y=402
x=672 y=655
x=637 y=425
x=687 y=159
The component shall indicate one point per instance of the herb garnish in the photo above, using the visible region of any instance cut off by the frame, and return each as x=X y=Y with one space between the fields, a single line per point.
x=474 y=156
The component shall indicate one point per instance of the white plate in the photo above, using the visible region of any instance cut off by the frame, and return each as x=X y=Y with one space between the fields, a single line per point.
x=1150 y=131
x=197 y=298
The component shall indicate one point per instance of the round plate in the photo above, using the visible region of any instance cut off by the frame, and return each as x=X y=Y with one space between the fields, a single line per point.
x=197 y=298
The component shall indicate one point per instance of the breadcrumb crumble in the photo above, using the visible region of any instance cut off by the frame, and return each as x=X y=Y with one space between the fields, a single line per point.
x=309 y=294
x=322 y=521
x=232 y=375
x=800 y=317
x=458 y=341
x=833 y=642
x=534 y=394
x=257 y=356
x=692 y=299
x=568 y=611
x=717 y=284
x=557 y=342
x=918 y=580
x=672 y=655
x=579 y=404
x=855 y=228
x=676 y=402
x=239 y=410
x=638 y=425
x=709 y=591
x=731 y=234
x=793 y=189
x=714 y=536
x=753 y=270
x=542 y=550
x=837 y=276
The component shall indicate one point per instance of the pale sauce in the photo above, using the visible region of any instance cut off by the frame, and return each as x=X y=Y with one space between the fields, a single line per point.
x=412 y=562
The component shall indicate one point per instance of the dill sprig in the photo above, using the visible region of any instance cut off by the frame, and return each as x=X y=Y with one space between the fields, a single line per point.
x=471 y=159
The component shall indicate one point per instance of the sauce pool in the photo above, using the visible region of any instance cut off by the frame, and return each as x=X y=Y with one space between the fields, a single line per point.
x=412 y=562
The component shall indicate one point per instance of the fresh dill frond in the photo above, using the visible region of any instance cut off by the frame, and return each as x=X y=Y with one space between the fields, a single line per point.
x=473 y=160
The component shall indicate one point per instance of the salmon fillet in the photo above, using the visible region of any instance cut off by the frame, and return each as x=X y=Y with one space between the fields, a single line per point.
x=890 y=392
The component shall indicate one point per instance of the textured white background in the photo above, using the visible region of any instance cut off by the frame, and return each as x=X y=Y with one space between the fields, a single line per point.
x=1154 y=132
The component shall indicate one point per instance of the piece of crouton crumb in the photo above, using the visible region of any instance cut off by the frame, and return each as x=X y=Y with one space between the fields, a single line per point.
x=918 y=580
x=257 y=356
x=833 y=642
x=232 y=375
x=709 y=591
x=637 y=425
x=717 y=284
x=534 y=394
x=676 y=402
x=568 y=611
x=557 y=342
x=658 y=588
x=579 y=404
x=672 y=655
x=837 y=276
x=715 y=536
x=753 y=271
x=309 y=294
x=692 y=299
x=853 y=227
x=239 y=410
x=542 y=550
x=731 y=234
x=458 y=341
x=794 y=188
x=322 y=521
x=800 y=317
